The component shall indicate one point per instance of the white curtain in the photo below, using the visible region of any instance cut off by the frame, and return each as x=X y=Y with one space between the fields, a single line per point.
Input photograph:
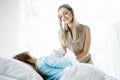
x=113 y=48
x=105 y=26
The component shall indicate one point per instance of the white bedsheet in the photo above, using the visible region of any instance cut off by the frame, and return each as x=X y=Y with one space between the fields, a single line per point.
x=82 y=72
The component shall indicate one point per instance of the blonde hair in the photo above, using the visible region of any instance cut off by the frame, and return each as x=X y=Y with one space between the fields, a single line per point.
x=64 y=27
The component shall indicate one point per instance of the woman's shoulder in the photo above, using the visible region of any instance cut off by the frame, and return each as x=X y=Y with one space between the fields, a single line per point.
x=83 y=26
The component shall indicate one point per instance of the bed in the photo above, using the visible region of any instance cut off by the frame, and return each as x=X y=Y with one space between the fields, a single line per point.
x=11 y=69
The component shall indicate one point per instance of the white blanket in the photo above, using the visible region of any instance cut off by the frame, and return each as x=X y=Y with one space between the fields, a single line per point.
x=81 y=71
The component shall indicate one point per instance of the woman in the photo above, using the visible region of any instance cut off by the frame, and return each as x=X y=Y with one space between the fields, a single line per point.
x=73 y=35
x=61 y=68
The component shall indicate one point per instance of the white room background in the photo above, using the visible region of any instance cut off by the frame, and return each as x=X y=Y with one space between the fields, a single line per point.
x=103 y=18
x=32 y=25
x=13 y=22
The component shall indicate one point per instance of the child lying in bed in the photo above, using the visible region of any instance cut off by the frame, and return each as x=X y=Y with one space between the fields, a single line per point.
x=62 y=68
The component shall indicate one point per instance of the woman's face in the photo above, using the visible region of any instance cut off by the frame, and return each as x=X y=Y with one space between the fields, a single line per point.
x=65 y=15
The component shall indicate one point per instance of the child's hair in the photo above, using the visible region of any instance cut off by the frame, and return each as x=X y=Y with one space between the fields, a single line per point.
x=25 y=57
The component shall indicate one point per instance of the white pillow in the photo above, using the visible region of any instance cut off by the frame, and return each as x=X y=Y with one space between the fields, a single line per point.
x=11 y=69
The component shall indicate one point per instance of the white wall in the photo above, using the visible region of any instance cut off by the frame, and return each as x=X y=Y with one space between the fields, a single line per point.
x=12 y=27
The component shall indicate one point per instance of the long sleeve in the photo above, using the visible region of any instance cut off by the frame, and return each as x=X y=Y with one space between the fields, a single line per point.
x=55 y=62
x=52 y=67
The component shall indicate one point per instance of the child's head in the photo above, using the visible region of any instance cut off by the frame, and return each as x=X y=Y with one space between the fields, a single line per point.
x=26 y=58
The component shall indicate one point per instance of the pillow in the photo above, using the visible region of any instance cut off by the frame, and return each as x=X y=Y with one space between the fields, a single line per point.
x=11 y=69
